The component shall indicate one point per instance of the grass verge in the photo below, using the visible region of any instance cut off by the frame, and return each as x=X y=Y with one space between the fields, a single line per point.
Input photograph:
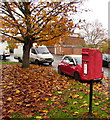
x=39 y=93
x=73 y=103
x=8 y=63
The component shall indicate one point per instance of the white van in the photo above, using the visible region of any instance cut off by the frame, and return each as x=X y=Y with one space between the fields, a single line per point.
x=4 y=50
x=38 y=54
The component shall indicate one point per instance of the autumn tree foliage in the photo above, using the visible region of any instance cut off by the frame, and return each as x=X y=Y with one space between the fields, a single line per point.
x=103 y=45
x=40 y=22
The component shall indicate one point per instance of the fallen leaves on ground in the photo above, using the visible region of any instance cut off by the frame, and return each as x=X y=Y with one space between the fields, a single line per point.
x=27 y=90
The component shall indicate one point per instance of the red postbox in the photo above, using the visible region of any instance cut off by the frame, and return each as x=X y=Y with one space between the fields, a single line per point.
x=91 y=64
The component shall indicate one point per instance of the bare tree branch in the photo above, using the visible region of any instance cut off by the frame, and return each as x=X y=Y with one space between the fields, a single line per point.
x=16 y=38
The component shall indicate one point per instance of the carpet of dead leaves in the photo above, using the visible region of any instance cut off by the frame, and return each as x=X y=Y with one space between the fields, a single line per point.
x=27 y=90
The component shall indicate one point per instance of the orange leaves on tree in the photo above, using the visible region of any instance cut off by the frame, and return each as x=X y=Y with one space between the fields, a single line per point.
x=38 y=18
x=27 y=23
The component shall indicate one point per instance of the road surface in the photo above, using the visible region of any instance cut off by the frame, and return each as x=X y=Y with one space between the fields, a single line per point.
x=57 y=59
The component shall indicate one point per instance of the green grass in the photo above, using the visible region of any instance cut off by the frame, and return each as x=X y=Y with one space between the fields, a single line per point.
x=8 y=63
x=71 y=103
x=79 y=104
x=67 y=106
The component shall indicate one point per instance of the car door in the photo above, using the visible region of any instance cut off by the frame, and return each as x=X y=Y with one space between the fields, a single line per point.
x=71 y=66
x=104 y=60
x=68 y=67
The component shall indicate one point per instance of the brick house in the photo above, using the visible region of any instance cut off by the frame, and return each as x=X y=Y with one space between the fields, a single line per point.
x=68 y=45
x=74 y=41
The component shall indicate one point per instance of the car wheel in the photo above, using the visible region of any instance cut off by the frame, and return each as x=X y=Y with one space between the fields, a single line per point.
x=109 y=65
x=60 y=71
x=77 y=76
x=19 y=59
x=37 y=62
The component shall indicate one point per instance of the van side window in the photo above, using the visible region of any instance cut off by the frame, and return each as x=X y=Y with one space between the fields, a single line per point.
x=33 y=51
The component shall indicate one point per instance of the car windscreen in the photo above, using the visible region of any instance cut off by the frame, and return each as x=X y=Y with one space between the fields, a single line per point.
x=106 y=57
x=78 y=60
x=42 y=50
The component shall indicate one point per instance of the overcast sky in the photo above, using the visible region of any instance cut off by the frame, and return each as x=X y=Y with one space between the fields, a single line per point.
x=99 y=10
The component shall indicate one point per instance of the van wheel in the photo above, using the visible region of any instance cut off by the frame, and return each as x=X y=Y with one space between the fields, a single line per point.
x=19 y=59
x=4 y=57
x=60 y=71
x=37 y=62
x=77 y=76
x=50 y=63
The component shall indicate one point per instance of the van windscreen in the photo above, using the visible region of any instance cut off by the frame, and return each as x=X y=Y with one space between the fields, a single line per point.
x=42 y=50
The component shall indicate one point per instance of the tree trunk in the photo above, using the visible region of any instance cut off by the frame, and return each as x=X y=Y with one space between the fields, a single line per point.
x=26 y=54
